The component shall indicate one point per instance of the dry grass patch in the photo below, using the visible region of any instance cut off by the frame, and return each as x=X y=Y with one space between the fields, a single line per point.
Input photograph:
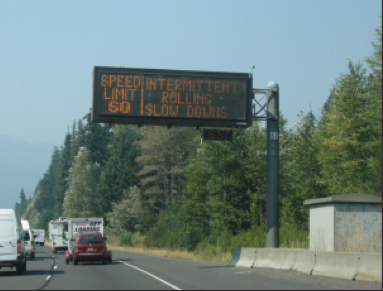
x=178 y=254
x=295 y=244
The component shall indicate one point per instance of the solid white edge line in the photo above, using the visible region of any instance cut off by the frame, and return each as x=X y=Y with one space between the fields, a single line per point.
x=151 y=275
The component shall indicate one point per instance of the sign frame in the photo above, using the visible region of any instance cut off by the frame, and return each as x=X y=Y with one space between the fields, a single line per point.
x=226 y=134
x=98 y=117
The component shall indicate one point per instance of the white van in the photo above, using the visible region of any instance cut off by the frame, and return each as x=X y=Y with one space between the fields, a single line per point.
x=39 y=235
x=12 y=250
x=29 y=240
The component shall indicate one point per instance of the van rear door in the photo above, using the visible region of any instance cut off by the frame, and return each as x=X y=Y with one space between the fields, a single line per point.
x=8 y=240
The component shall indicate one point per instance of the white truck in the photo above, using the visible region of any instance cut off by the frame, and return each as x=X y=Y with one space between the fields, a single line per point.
x=76 y=225
x=39 y=235
x=58 y=234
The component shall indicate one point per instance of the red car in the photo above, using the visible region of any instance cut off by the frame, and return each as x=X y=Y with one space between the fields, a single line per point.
x=88 y=246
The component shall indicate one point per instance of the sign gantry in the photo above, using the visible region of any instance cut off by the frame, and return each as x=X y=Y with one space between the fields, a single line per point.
x=216 y=101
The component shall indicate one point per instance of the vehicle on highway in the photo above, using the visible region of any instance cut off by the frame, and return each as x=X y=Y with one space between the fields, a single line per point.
x=88 y=246
x=84 y=224
x=58 y=234
x=29 y=240
x=12 y=249
x=39 y=235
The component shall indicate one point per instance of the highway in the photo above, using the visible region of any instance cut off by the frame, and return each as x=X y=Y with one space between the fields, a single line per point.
x=143 y=272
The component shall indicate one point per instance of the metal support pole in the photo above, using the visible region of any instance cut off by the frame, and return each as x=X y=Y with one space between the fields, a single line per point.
x=272 y=172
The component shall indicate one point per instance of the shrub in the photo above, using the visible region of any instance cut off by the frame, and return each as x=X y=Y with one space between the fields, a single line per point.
x=126 y=239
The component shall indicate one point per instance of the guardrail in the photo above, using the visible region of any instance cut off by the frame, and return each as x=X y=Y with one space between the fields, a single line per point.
x=345 y=265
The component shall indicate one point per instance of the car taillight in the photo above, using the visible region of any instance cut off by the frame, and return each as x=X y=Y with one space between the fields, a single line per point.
x=18 y=246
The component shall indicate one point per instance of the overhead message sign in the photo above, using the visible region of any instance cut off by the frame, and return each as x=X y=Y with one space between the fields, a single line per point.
x=171 y=97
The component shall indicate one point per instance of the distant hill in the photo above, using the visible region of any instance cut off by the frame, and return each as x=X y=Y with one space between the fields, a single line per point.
x=22 y=164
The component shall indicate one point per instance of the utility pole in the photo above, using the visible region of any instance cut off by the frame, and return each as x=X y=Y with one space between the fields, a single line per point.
x=272 y=172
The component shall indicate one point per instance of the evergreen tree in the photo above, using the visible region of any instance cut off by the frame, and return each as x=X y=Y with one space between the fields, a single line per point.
x=164 y=154
x=78 y=139
x=81 y=199
x=225 y=188
x=343 y=149
x=255 y=174
x=44 y=193
x=23 y=201
x=120 y=170
x=285 y=160
x=373 y=114
x=44 y=219
x=96 y=139
x=17 y=209
x=304 y=172
x=63 y=171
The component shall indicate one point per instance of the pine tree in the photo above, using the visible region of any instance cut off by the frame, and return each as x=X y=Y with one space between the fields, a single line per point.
x=63 y=171
x=164 y=154
x=44 y=193
x=120 y=170
x=81 y=198
x=373 y=114
x=343 y=154
x=255 y=174
x=78 y=139
x=96 y=139
x=226 y=183
x=23 y=201
x=304 y=172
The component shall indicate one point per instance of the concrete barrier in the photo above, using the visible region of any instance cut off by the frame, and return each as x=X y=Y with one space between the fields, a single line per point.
x=336 y=264
x=243 y=257
x=370 y=267
x=305 y=261
x=235 y=257
x=276 y=258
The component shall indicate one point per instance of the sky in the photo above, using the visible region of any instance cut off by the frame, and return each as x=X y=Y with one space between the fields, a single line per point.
x=48 y=50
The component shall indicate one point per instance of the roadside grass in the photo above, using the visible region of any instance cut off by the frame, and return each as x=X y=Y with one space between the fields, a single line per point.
x=113 y=243
x=218 y=249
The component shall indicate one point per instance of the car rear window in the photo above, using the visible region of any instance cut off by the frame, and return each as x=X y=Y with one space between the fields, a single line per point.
x=90 y=239
x=26 y=236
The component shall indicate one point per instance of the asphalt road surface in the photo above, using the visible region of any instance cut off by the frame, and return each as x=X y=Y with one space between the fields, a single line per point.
x=143 y=272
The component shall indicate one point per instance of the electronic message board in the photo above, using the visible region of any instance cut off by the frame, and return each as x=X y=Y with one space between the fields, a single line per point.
x=171 y=97
x=217 y=134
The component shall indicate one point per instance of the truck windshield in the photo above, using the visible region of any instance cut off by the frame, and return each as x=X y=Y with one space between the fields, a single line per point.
x=90 y=239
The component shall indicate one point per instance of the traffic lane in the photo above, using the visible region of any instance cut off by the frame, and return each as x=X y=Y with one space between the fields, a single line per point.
x=38 y=270
x=219 y=275
x=96 y=276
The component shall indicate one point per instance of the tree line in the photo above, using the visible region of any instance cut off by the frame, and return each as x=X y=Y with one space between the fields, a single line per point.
x=178 y=191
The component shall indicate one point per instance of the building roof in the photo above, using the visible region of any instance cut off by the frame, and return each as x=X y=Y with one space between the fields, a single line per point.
x=347 y=198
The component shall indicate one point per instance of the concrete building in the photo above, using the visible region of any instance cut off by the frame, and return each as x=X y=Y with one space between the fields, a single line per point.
x=346 y=223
